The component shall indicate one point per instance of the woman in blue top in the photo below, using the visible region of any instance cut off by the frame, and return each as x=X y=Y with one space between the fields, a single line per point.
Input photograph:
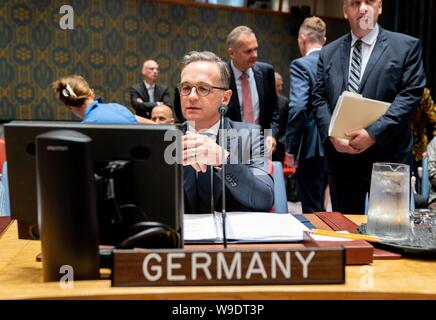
x=75 y=92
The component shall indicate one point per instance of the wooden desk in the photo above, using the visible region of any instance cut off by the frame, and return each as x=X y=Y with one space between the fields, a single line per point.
x=21 y=278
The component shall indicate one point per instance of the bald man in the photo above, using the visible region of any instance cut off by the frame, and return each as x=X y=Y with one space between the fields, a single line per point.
x=162 y=114
x=145 y=95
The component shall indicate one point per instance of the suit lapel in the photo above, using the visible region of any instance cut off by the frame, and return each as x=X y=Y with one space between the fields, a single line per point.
x=345 y=60
x=231 y=141
x=379 y=48
x=158 y=92
x=234 y=102
x=258 y=77
x=144 y=92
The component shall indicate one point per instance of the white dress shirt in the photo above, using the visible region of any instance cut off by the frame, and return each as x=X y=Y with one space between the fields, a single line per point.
x=150 y=89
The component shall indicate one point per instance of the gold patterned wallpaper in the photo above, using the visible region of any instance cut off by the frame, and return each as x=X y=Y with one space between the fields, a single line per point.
x=108 y=43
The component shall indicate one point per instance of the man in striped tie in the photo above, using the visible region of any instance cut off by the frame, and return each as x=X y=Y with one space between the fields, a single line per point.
x=380 y=65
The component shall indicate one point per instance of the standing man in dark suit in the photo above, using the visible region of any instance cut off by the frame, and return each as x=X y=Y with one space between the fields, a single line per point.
x=304 y=145
x=378 y=64
x=204 y=87
x=147 y=94
x=254 y=98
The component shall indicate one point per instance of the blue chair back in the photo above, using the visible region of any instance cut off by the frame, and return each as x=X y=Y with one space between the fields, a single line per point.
x=425 y=181
x=4 y=192
x=280 y=199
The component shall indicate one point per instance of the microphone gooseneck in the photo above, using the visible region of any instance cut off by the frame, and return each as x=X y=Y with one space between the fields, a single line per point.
x=223 y=110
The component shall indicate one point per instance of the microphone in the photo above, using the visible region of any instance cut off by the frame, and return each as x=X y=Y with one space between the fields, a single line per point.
x=223 y=110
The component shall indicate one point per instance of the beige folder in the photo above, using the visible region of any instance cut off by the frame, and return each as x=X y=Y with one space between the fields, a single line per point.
x=354 y=112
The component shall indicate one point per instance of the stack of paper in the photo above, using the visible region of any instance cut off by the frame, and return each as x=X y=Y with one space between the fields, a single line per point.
x=354 y=112
x=247 y=227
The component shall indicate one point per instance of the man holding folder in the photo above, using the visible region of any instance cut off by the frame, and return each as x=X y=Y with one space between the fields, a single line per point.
x=380 y=65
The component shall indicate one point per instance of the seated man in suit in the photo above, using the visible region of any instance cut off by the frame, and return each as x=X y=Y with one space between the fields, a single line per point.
x=145 y=95
x=204 y=87
x=162 y=114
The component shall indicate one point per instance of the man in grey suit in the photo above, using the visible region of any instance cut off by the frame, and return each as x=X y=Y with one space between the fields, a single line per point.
x=378 y=64
x=254 y=98
x=304 y=147
x=204 y=87
x=144 y=96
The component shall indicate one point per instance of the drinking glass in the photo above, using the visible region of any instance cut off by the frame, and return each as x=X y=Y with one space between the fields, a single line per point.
x=388 y=213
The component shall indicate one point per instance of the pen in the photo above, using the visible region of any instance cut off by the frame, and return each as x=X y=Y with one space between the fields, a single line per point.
x=345 y=235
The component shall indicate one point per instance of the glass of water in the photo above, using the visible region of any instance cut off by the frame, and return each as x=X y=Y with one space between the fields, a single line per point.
x=389 y=200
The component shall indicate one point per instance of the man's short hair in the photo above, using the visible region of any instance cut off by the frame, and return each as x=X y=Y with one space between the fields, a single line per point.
x=233 y=36
x=207 y=56
x=314 y=29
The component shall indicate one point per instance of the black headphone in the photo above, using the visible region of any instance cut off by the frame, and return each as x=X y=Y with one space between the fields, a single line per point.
x=151 y=235
x=126 y=225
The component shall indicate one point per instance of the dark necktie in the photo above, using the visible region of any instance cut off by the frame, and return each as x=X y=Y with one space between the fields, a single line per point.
x=355 y=69
x=205 y=189
x=204 y=192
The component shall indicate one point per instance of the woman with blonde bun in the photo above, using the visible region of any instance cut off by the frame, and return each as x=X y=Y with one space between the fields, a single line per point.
x=76 y=94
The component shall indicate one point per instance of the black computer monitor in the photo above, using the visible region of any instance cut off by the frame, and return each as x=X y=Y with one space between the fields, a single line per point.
x=149 y=181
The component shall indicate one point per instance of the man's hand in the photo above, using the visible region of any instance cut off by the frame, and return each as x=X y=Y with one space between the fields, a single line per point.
x=271 y=144
x=290 y=161
x=199 y=151
x=343 y=146
x=360 y=140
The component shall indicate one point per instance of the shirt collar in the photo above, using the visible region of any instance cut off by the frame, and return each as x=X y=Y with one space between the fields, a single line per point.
x=212 y=131
x=148 y=86
x=93 y=105
x=238 y=72
x=369 y=39
x=312 y=50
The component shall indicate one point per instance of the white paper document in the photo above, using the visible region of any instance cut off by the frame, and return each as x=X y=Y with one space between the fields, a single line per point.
x=354 y=112
x=257 y=227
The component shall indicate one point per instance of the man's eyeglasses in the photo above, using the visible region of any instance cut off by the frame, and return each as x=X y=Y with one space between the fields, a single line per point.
x=201 y=89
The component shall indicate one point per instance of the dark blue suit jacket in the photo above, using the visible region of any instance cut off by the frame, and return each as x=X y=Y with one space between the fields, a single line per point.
x=302 y=136
x=249 y=187
x=394 y=74
x=268 y=104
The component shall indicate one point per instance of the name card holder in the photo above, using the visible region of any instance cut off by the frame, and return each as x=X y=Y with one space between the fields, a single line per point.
x=189 y=267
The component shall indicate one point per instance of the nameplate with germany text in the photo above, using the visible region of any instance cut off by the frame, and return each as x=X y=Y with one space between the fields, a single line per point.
x=188 y=267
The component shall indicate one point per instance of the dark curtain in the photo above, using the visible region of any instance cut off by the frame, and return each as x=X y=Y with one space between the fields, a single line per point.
x=416 y=18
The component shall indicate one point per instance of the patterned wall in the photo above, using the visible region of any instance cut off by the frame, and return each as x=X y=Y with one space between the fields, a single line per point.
x=109 y=42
